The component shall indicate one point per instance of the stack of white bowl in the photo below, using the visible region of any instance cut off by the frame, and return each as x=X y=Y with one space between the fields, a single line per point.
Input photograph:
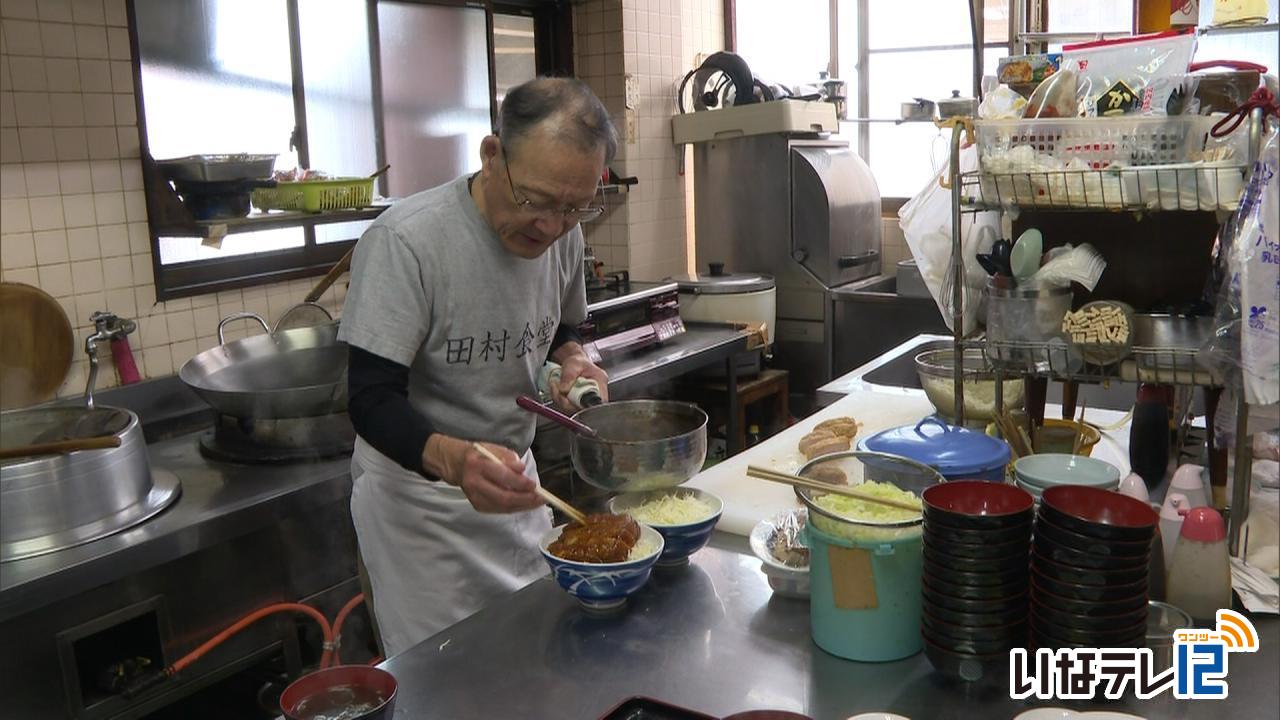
x=1037 y=473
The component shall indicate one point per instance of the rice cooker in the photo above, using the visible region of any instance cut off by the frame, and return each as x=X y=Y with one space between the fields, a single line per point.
x=720 y=296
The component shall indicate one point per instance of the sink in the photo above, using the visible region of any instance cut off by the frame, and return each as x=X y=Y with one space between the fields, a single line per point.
x=895 y=371
x=899 y=370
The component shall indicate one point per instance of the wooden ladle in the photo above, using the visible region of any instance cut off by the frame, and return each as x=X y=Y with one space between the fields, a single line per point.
x=61 y=447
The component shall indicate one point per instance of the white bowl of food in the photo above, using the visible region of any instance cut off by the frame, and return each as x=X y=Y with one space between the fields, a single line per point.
x=783 y=557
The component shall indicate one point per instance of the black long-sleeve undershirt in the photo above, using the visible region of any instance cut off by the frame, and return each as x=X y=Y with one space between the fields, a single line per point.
x=378 y=403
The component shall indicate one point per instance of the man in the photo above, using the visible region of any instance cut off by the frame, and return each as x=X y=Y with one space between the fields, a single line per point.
x=458 y=295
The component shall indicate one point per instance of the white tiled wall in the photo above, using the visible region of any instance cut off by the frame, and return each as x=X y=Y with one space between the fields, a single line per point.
x=651 y=44
x=893 y=246
x=72 y=212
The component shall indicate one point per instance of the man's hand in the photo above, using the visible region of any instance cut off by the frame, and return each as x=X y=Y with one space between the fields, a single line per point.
x=490 y=487
x=575 y=364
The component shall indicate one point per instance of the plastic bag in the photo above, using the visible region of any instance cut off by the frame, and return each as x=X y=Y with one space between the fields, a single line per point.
x=1131 y=76
x=1002 y=103
x=1247 y=320
x=926 y=224
x=1054 y=97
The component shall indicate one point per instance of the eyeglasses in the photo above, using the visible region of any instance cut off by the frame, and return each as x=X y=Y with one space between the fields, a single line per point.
x=567 y=215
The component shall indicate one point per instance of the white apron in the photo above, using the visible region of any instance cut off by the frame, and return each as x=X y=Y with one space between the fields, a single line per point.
x=432 y=559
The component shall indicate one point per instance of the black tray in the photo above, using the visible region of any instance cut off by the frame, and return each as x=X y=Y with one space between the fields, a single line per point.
x=643 y=708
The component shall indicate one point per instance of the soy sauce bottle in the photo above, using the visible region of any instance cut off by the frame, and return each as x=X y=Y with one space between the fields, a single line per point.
x=1149 y=434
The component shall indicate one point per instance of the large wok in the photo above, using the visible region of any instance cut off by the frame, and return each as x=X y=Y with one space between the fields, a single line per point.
x=285 y=374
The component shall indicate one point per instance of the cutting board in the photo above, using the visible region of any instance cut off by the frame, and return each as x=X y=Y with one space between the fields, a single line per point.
x=747 y=500
x=36 y=345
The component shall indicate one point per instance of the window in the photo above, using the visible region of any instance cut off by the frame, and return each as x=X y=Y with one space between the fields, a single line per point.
x=341 y=86
x=886 y=56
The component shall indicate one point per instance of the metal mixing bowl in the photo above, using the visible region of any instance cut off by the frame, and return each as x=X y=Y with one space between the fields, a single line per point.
x=641 y=444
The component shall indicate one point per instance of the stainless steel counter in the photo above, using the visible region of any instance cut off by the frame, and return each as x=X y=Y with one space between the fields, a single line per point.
x=701 y=344
x=710 y=637
x=219 y=501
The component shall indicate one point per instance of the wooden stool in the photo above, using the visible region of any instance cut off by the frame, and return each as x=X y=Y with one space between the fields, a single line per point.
x=768 y=384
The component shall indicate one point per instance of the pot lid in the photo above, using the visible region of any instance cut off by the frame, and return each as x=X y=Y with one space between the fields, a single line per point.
x=37 y=345
x=954 y=451
x=718 y=282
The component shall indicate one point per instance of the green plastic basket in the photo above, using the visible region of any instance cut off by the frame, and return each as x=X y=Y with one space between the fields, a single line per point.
x=316 y=195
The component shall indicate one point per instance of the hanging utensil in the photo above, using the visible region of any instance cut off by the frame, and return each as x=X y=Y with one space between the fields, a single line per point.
x=1000 y=257
x=550 y=413
x=1024 y=258
x=551 y=498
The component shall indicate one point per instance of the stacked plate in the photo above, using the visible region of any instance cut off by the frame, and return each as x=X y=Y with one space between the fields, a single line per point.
x=977 y=536
x=1036 y=473
x=1089 y=569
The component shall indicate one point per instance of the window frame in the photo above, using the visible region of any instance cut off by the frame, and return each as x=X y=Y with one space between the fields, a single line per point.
x=888 y=205
x=553 y=54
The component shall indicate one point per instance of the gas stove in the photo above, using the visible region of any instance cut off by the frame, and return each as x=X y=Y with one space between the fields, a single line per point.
x=625 y=315
x=279 y=440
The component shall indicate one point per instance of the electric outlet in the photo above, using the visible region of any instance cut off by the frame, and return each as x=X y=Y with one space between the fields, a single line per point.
x=632 y=91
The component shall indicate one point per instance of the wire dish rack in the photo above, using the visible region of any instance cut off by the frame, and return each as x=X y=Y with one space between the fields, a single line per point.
x=1064 y=361
x=1185 y=186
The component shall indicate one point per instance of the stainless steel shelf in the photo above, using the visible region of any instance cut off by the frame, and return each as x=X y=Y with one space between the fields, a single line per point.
x=270 y=220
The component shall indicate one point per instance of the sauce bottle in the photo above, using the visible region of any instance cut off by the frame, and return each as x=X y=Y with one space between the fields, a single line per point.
x=1200 y=576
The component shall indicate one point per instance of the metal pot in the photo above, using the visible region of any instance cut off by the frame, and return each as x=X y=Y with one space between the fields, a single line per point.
x=641 y=444
x=57 y=501
x=290 y=373
x=918 y=109
x=956 y=106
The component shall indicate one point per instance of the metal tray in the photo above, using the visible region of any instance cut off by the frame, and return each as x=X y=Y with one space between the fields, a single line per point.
x=218 y=168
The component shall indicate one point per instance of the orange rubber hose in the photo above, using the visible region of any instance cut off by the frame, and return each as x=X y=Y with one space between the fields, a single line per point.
x=338 y=620
x=248 y=620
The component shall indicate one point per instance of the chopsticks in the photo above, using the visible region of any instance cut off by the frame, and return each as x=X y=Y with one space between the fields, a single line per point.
x=803 y=482
x=1077 y=441
x=551 y=498
x=1015 y=435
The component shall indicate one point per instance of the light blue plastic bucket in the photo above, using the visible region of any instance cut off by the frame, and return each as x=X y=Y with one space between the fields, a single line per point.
x=864 y=573
x=860 y=610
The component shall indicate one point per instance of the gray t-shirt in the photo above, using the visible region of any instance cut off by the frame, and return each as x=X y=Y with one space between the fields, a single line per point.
x=433 y=288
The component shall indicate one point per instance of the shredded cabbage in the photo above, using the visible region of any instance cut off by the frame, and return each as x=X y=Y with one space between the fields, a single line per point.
x=860 y=511
x=672 y=509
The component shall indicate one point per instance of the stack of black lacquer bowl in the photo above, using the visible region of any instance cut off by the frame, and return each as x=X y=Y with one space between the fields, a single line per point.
x=1089 y=568
x=977 y=536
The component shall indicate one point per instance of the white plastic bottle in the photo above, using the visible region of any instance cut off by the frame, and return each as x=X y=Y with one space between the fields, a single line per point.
x=584 y=393
x=1200 y=576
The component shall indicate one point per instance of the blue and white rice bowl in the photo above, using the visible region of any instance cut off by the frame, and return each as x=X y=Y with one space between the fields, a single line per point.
x=601 y=587
x=681 y=541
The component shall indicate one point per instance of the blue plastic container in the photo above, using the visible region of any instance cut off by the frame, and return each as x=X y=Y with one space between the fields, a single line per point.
x=958 y=453
x=869 y=614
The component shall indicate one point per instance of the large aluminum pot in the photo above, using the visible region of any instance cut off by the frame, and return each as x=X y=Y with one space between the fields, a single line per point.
x=641 y=444
x=52 y=502
x=286 y=374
